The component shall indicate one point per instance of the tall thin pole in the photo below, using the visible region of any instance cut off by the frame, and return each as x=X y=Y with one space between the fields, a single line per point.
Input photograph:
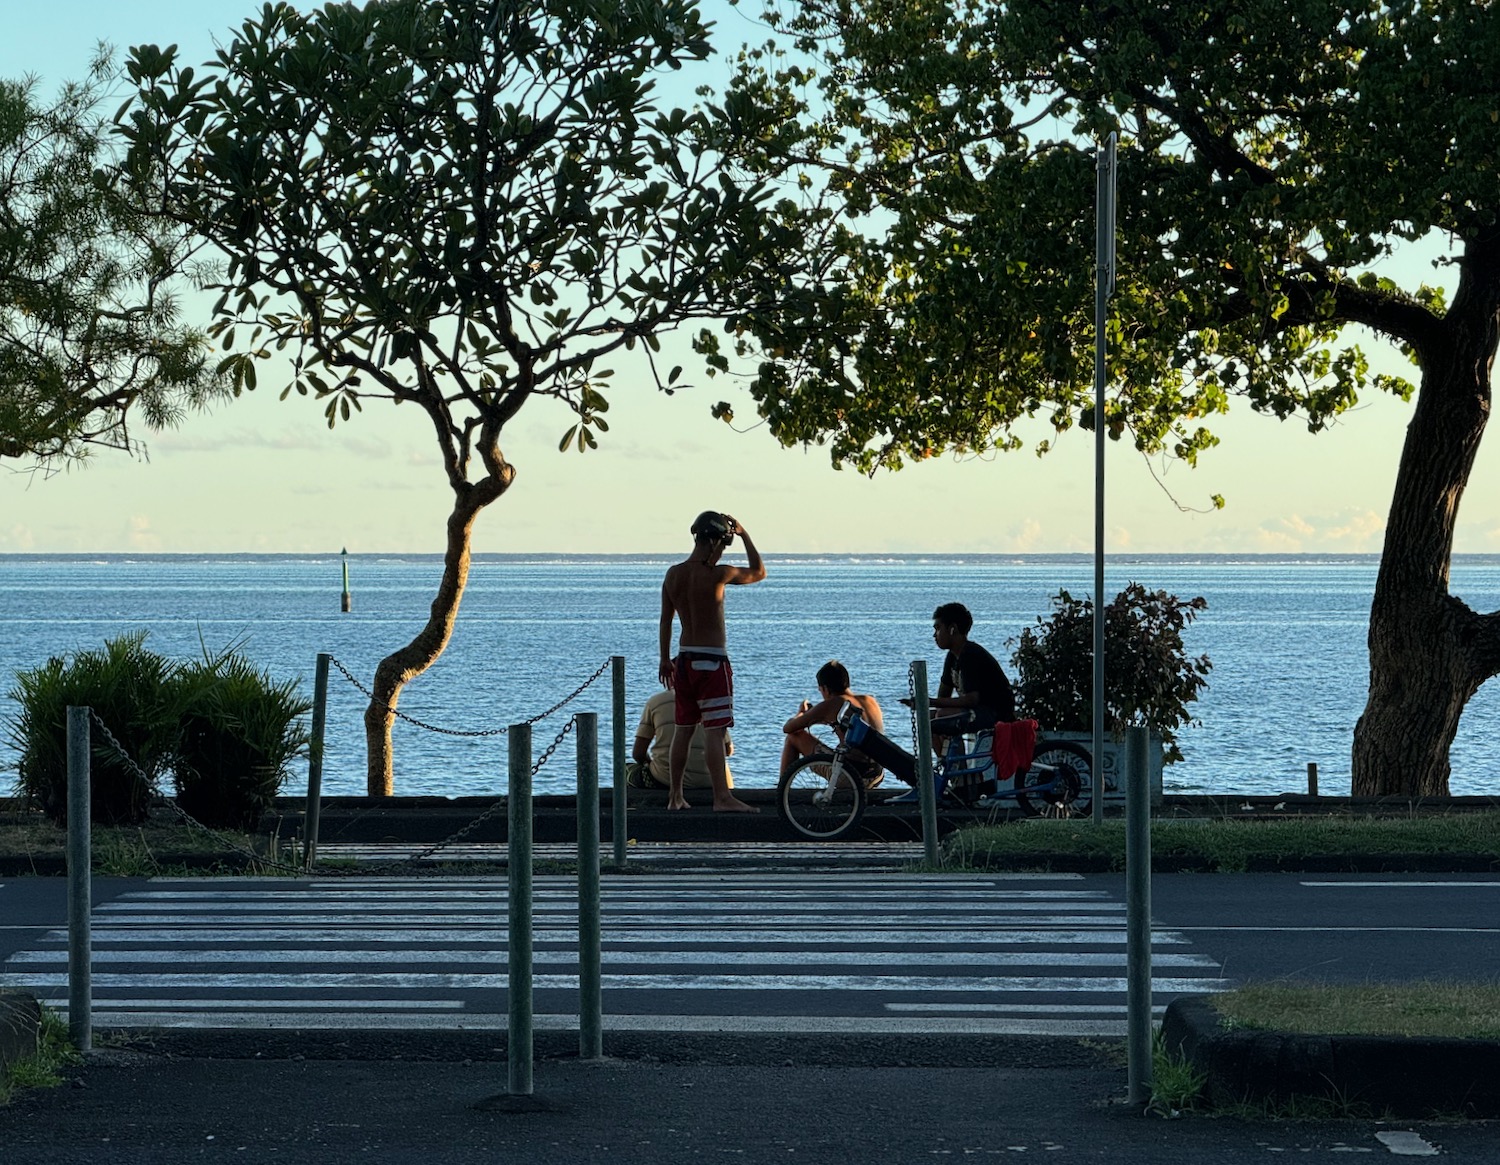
x=1104 y=283
x=312 y=811
x=926 y=790
x=80 y=886
x=1138 y=916
x=590 y=979
x=518 y=868
x=618 y=807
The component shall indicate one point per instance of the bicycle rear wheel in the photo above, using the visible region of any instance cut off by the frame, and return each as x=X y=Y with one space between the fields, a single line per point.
x=814 y=807
x=1064 y=787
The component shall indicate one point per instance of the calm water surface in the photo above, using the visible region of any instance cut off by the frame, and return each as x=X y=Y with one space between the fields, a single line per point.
x=1286 y=638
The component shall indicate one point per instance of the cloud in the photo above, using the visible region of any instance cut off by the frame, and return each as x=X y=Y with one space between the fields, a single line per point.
x=282 y=440
x=140 y=536
x=18 y=538
x=1365 y=527
x=1353 y=531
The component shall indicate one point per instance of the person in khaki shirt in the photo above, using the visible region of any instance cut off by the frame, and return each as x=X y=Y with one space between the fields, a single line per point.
x=653 y=746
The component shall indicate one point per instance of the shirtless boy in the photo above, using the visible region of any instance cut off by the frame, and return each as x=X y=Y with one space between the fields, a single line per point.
x=833 y=688
x=700 y=675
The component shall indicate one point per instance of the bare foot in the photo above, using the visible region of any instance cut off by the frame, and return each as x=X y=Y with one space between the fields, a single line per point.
x=733 y=805
x=677 y=802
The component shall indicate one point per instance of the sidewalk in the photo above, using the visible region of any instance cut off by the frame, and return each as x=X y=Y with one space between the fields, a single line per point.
x=660 y=1101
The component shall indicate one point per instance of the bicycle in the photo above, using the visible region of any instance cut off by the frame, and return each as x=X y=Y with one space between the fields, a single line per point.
x=822 y=797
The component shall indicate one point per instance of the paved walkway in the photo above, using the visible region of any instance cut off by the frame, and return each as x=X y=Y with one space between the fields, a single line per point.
x=900 y=1102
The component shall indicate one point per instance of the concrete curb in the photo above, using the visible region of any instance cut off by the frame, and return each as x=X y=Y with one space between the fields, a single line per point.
x=1395 y=1076
x=20 y=1026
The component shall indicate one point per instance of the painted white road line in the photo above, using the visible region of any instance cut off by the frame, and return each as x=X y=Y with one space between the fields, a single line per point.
x=862 y=937
x=818 y=882
x=1404 y=1143
x=454 y=981
x=107 y=956
x=639 y=910
x=60 y=1003
x=325 y=897
x=747 y=928
x=1119 y=1009
x=1343 y=929
x=1490 y=885
x=748 y=1024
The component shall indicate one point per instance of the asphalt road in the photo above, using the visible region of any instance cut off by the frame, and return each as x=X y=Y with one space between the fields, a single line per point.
x=912 y=1091
x=750 y=952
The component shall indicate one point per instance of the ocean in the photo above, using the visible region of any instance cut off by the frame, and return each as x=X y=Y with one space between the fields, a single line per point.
x=1286 y=636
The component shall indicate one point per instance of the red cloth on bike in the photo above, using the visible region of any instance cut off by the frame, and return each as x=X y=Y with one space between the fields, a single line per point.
x=1013 y=747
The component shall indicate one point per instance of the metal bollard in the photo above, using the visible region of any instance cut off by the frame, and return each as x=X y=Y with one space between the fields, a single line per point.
x=313 y=808
x=619 y=808
x=518 y=869
x=1138 y=917
x=80 y=885
x=926 y=791
x=590 y=979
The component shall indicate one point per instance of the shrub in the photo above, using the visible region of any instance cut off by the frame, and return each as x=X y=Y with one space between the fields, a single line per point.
x=1149 y=680
x=125 y=685
x=239 y=731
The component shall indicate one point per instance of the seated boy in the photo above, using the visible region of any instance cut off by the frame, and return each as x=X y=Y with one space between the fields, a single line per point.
x=833 y=688
x=653 y=748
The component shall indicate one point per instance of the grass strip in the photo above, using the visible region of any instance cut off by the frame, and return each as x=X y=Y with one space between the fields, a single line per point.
x=1227 y=845
x=1426 y=1009
x=54 y=1052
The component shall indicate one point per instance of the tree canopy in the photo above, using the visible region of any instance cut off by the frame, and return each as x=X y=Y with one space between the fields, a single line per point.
x=462 y=206
x=1273 y=153
x=90 y=329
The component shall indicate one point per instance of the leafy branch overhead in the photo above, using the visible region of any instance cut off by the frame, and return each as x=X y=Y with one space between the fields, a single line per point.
x=90 y=334
x=459 y=205
x=1271 y=154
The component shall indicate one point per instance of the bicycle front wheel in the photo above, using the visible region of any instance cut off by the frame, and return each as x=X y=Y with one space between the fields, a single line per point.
x=814 y=805
x=1060 y=781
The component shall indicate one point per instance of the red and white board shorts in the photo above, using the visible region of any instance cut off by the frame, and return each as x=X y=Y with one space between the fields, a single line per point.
x=704 y=684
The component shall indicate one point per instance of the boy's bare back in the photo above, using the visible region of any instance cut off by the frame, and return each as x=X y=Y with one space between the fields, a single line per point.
x=695 y=593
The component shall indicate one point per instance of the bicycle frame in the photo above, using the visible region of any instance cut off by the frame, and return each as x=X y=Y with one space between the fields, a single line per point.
x=952 y=764
x=823 y=795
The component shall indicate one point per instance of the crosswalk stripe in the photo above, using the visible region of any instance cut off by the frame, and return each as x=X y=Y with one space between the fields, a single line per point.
x=857 y=937
x=1038 y=954
x=460 y=956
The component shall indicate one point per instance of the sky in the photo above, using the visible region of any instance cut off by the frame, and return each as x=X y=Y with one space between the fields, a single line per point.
x=264 y=475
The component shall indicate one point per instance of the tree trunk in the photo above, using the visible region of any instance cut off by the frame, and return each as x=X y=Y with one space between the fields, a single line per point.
x=1429 y=652
x=417 y=656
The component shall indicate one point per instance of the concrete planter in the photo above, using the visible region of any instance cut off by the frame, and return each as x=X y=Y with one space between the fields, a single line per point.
x=1113 y=763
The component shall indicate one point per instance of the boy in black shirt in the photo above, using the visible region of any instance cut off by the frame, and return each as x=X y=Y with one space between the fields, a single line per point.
x=973 y=693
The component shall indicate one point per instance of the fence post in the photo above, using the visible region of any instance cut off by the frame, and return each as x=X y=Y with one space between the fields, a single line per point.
x=590 y=981
x=518 y=869
x=618 y=805
x=1137 y=915
x=926 y=791
x=1312 y=778
x=313 y=808
x=80 y=886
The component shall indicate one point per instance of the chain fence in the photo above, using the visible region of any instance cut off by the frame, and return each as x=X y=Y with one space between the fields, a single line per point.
x=270 y=862
x=412 y=720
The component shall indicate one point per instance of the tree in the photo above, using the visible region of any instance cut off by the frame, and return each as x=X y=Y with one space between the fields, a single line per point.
x=89 y=330
x=1149 y=678
x=1272 y=154
x=456 y=205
